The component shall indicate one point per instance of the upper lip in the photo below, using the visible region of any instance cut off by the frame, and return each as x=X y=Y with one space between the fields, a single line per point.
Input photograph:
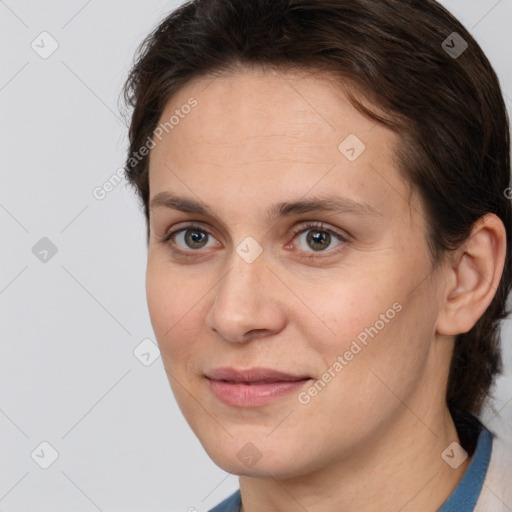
x=253 y=375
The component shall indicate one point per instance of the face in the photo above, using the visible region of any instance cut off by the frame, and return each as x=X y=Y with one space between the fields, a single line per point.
x=291 y=330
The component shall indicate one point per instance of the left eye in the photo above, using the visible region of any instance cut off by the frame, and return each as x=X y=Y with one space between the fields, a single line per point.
x=318 y=238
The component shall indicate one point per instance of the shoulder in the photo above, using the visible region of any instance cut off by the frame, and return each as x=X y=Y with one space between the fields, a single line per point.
x=230 y=504
x=496 y=494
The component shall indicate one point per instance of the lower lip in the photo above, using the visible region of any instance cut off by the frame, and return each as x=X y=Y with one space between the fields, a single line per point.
x=254 y=395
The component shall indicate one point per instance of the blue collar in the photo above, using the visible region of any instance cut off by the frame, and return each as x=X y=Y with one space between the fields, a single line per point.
x=464 y=496
x=230 y=504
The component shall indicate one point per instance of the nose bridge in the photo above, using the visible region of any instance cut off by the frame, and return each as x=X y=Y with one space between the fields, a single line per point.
x=241 y=302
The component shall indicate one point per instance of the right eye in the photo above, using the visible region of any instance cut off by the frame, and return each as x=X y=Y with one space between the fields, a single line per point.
x=188 y=239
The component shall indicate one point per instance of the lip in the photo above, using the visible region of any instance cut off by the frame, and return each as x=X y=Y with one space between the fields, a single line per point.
x=252 y=387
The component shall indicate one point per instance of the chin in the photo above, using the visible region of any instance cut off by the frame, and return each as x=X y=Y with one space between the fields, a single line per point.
x=245 y=458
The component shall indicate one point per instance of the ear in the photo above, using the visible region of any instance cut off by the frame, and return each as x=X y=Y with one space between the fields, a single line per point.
x=474 y=276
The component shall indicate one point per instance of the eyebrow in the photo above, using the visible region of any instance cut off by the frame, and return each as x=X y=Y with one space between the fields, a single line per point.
x=330 y=203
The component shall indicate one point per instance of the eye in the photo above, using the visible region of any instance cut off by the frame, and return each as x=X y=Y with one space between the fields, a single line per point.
x=190 y=237
x=318 y=238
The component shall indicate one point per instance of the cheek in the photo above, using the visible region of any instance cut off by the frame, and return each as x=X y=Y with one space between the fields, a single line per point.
x=380 y=351
x=363 y=294
x=373 y=322
x=346 y=310
x=173 y=303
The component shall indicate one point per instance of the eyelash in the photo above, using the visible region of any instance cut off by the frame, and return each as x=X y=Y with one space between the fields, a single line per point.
x=318 y=226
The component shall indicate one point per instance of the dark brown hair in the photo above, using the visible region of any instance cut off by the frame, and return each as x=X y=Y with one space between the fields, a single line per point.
x=447 y=110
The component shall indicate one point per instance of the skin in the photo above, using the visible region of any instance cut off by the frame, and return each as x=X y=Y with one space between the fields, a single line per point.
x=261 y=137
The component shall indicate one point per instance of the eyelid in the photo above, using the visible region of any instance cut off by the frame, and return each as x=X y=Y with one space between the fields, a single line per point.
x=187 y=225
x=320 y=226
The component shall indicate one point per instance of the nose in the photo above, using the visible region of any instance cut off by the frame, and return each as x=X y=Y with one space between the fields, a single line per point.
x=247 y=302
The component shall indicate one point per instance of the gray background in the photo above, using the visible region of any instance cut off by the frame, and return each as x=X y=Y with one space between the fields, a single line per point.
x=69 y=325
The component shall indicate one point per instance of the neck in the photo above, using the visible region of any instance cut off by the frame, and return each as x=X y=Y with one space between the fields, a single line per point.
x=402 y=470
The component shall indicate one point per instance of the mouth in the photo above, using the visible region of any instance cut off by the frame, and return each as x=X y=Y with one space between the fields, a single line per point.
x=253 y=376
x=253 y=387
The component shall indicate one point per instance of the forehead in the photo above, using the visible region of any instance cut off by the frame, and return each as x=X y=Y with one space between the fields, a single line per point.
x=261 y=133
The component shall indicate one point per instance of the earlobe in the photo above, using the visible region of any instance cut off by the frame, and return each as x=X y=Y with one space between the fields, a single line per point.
x=477 y=272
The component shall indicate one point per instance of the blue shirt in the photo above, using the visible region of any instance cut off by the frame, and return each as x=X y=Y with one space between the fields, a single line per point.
x=463 y=497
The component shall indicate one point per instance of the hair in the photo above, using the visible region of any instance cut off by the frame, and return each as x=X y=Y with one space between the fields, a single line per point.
x=447 y=111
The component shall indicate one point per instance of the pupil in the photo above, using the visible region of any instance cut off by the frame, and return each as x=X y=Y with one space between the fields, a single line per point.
x=317 y=237
x=194 y=237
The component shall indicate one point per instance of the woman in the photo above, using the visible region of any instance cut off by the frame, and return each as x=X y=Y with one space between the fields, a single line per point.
x=325 y=184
